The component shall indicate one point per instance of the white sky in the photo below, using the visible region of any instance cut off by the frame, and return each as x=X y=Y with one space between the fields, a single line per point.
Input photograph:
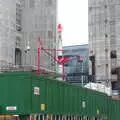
x=73 y=15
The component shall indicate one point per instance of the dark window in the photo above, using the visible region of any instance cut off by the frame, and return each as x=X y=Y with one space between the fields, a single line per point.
x=114 y=71
x=106 y=35
x=91 y=51
x=106 y=21
x=106 y=65
x=113 y=54
x=18 y=28
x=105 y=6
x=90 y=8
x=106 y=50
x=66 y=64
x=18 y=55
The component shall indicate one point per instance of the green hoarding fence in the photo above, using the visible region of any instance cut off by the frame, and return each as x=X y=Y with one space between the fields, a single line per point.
x=28 y=93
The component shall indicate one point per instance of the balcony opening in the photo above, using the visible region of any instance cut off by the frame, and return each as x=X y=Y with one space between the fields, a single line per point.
x=106 y=21
x=113 y=54
x=106 y=35
x=18 y=55
x=113 y=71
x=105 y=6
x=92 y=59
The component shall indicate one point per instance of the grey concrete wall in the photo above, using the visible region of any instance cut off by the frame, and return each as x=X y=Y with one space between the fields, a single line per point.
x=7 y=32
x=39 y=20
x=104 y=27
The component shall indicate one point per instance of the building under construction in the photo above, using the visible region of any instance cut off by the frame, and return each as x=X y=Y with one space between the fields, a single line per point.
x=104 y=40
x=22 y=22
x=76 y=69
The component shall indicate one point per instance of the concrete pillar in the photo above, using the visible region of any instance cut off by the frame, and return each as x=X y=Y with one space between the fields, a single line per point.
x=43 y=117
x=59 y=117
x=51 y=117
x=65 y=117
x=68 y=117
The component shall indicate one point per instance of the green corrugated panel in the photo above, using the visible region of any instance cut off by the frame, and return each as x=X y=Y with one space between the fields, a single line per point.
x=63 y=92
x=60 y=98
x=55 y=98
x=118 y=110
x=13 y=91
x=73 y=93
x=71 y=99
x=49 y=94
x=65 y=106
x=114 y=110
x=43 y=94
x=74 y=100
x=98 y=102
x=17 y=90
x=35 y=98
x=83 y=101
x=90 y=105
x=78 y=101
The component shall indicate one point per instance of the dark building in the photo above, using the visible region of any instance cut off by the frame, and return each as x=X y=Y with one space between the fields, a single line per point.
x=76 y=70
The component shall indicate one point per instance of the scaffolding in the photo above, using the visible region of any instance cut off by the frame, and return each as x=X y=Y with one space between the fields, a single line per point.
x=104 y=45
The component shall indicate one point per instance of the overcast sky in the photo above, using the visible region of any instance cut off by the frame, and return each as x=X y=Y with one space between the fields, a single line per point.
x=73 y=15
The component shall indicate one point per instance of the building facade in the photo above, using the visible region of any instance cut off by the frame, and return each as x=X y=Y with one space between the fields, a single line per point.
x=76 y=70
x=104 y=40
x=22 y=23
x=7 y=32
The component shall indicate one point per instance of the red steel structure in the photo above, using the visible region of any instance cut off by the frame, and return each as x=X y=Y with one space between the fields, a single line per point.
x=60 y=60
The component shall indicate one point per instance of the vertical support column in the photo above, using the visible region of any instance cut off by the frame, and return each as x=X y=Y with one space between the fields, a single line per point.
x=30 y=117
x=74 y=117
x=81 y=117
x=65 y=117
x=94 y=118
x=43 y=117
x=39 y=60
x=39 y=117
x=55 y=117
x=78 y=118
x=35 y=117
x=71 y=117
x=59 y=117
x=68 y=117
x=47 y=116
x=51 y=117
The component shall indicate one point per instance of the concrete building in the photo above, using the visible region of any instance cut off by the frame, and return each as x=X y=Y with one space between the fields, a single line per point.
x=76 y=70
x=7 y=32
x=104 y=40
x=22 y=22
